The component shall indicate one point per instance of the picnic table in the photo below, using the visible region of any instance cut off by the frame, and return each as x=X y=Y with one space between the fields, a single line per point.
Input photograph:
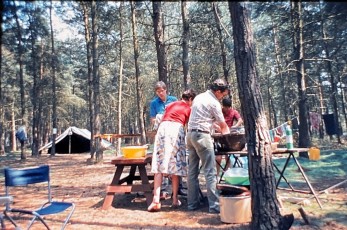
x=117 y=184
x=110 y=136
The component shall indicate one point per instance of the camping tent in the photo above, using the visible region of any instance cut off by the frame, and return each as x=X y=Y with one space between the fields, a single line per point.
x=72 y=140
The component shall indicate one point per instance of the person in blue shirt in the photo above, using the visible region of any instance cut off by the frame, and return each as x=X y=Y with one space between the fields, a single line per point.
x=157 y=109
x=157 y=105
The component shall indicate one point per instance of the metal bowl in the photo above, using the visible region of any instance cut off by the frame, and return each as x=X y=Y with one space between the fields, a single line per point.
x=230 y=142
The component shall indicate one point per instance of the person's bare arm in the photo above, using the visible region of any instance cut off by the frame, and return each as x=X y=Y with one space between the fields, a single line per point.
x=238 y=123
x=224 y=127
x=152 y=121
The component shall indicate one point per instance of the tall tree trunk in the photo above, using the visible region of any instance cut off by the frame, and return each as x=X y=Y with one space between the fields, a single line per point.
x=185 y=45
x=54 y=96
x=158 y=25
x=13 y=129
x=2 y=111
x=21 y=78
x=96 y=82
x=265 y=207
x=120 y=81
x=221 y=41
x=279 y=72
x=41 y=122
x=333 y=81
x=321 y=109
x=35 y=88
x=271 y=106
x=137 y=76
x=343 y=102
x=298 y=51
x=90 y=76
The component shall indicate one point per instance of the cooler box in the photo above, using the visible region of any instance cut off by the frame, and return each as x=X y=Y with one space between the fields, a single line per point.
x=235 y=209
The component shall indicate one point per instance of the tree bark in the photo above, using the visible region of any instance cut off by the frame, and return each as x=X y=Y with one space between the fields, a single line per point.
x=279 y=72
x=333 y=80
x=35 y=89
x=185 y=45
x=21 y=77
x=265 y=207
x=298 y=53
x=158 y=25
x=2 y=117
x=137 y=76
x=221 y=42
x=96 y=82
x=54 y=96
x=90 y=76
x=13 y=129
x=120 y=81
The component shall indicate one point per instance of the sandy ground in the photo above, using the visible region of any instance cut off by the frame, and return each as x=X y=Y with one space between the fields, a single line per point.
x=74 y=180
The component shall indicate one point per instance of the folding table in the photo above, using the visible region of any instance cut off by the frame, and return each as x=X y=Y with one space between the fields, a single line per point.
x=290 y=153
x=278 y=151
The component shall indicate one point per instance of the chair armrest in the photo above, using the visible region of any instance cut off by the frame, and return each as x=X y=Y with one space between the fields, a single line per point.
x=5 y=199
x=25 y=211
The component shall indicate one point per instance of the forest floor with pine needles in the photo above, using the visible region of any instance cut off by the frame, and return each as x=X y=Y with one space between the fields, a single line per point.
x=74 y=180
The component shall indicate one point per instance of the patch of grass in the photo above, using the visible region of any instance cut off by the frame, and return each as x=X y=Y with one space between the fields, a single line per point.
x=331 y=165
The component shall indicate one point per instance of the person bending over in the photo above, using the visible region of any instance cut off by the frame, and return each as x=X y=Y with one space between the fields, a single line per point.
x=169 y=154
x=206 y=110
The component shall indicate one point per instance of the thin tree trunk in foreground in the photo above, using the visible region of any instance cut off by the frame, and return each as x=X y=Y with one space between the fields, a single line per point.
x=137 y=75
x=265 y=207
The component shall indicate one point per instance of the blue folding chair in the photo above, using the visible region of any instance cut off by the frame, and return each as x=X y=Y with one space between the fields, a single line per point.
x=26 y=176
x=5 y=200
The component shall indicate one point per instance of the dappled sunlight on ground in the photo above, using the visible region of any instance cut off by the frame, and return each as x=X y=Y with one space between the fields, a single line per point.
x=73 y=179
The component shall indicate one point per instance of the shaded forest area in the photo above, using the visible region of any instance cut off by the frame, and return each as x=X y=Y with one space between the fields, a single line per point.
x=98 y=73
x=285 y=62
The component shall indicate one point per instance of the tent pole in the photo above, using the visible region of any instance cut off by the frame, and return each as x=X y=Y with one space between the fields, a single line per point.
x=69 y=144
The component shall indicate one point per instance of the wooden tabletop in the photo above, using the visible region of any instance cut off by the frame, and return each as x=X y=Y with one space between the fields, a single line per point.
x=285 y=150
x=231 y=152
x=277 y=151
x=116 y=135
x=127 y=161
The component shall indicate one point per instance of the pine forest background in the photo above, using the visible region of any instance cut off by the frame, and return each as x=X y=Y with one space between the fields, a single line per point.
x=99 y=73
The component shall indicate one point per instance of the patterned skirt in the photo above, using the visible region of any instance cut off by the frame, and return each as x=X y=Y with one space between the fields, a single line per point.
x=169 y=152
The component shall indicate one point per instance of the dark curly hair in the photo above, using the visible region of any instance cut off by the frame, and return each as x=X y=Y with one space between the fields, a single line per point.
x=190 y=93
x=226 y=102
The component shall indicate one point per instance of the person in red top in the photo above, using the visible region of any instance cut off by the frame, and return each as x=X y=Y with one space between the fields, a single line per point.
x=231 y=115
x=169 y=152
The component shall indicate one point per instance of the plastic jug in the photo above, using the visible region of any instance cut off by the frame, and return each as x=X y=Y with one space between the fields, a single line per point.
x=314 y=153
x=289 y=137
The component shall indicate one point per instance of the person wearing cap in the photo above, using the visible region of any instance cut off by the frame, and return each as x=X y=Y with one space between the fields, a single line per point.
x=206 y=110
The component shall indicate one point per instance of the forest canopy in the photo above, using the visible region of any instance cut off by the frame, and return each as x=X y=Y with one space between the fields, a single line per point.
x=47 y=75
